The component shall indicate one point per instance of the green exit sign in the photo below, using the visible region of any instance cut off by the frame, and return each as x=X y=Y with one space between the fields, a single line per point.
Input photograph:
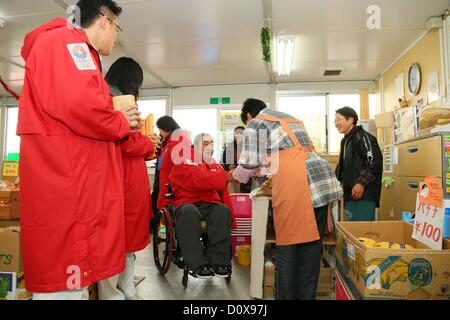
x=223 y=100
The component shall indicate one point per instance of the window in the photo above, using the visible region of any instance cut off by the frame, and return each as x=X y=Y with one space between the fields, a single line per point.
x=374 y=106
x=312 y=110
x=201 y=120
x=157 y=107
x=317 y=113
x=12 y=141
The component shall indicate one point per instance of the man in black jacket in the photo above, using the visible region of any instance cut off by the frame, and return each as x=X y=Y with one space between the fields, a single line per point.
x=360 y=167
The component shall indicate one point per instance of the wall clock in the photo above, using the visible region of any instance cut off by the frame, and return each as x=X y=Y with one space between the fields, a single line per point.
x=414 y=78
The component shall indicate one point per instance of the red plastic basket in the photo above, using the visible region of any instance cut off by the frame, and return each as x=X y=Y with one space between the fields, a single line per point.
x=242 y=205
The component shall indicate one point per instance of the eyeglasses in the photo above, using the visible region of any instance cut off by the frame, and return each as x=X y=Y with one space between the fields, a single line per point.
x=110 y=20
x=207 y=143
x=339 y=120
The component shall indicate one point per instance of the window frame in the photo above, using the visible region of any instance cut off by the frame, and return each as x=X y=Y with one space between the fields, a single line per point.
x=327 y=108
x=3 y=134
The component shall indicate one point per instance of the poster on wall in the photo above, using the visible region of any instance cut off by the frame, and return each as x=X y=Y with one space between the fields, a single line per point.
x=228 y=122
x=433 y=87
x=405 y=124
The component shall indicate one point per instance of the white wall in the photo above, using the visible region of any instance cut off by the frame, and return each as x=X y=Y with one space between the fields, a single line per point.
x=199 y=96
x=327 y=87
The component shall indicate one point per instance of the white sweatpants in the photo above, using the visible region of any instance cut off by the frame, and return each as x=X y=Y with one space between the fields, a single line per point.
x=120 y=286
x=126 y=278
x=82 y=294
x=107 y=289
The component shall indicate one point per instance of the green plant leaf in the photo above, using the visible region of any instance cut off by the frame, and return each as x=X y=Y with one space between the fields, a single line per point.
x=265 y=40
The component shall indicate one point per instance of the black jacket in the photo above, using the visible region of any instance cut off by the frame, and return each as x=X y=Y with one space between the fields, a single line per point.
x=363 y=164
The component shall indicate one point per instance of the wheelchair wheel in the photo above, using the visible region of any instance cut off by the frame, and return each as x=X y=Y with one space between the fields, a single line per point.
x=163 y=241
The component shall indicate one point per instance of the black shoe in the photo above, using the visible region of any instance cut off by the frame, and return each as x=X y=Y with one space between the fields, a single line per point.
x=222 y=271
x=203 y=272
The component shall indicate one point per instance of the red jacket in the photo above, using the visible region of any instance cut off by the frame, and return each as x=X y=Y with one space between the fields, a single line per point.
x=72 y=197
x=200 y=182
x=172 y=151
x=138 y=206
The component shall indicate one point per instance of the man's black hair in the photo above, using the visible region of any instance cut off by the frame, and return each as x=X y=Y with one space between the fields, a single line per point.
x=168 y=124
x=91 y=9
x=127 y=75
x=252 y=106
x=348 y=113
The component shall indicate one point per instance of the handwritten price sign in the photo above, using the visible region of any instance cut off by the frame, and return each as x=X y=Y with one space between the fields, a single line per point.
x=10 y=169
x=429 y=219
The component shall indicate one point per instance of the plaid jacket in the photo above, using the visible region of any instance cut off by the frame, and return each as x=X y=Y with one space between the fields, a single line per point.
x=263 y=137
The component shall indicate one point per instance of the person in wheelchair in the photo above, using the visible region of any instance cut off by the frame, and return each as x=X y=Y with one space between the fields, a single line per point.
x=200 y=190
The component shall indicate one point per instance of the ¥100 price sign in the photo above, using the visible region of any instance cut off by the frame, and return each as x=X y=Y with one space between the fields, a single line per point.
x=429 y=219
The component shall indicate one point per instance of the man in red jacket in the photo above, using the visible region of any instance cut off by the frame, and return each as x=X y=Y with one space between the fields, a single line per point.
x=72 y=197
x=200 y=191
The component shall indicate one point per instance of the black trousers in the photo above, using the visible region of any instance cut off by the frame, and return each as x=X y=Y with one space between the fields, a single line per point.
x=297 y=267
x=188 y=230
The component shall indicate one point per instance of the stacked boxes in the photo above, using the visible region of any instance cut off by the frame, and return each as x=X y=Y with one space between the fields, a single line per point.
x=269 y=280
x=326 y=284
x=242 y=207
x=324 y=288
x=12 y=285
x=9 y=191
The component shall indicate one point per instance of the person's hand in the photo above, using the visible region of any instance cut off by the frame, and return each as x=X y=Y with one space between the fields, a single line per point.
x=230 y=175
x=231 y=167
x=155 y=140
x=132 y=115
x=357 y=191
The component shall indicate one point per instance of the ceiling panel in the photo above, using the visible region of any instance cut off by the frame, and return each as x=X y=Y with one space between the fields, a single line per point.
x=10 y=72
x=13 y=8
x=351 y=15
x=168 y=21
x=197 y=42
x=352 y=70
x=12 y=36
x=199 y=53
x=226 y=74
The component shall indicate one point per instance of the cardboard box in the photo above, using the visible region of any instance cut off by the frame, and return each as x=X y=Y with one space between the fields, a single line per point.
x=269 y=292
x=12 y=286
x=326 y=278
x=324 y=290
x=342 y=290
x=9 y=205
x=269 y=282
x=10 y=253
x=323 y=293
x=378 y=273
x=9 y=223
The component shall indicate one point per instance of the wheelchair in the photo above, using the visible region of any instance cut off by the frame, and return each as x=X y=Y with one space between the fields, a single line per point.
x=166 y=249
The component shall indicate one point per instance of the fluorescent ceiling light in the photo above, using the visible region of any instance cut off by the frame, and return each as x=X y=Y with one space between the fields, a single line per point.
x=285 y=54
